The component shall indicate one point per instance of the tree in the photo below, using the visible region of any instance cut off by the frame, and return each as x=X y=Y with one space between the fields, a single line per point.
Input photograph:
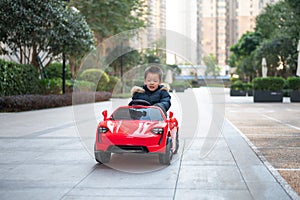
x=275 y=38
x=211 y=66
x=248 y=67
x=294 y=30
x=293 y=24
x=277 y=19
x=33 y=29
x=109 y=17
x=277 y=52
x=243 y=53
x=246 y=44
x=270 y=19
x=280 y=28
x=120 y=64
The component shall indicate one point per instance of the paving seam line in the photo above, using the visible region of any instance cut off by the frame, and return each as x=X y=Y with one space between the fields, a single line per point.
x=288 y=189
x=179 y=169
x=281 y=122
x=238 y=167
x=52 y=129
x=77 y=184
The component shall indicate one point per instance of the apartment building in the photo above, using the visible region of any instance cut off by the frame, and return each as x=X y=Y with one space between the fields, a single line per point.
x=213 y=25
x=156 y=19
x=223 y=22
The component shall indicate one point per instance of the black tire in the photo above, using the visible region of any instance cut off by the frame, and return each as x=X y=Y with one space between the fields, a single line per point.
x=177 y=143
x=166 y=158
x=102 y=157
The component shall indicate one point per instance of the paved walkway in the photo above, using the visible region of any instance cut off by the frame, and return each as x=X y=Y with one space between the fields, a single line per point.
x=43 y=157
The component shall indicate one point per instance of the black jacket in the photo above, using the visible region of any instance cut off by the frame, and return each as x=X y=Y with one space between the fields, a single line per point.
x=160 y=97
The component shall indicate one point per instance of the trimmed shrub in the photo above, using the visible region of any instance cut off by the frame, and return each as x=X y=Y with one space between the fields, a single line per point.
x=34 y=102
x=54 y=70
x=17 y=79
x=138 y=82
x=51 y=86
x=97 y=76
x=248 y=86
x=113 y=80
x=268 y=83
x=180 y=84
x=83 y=86
x=54 y=86
x=238 y=85
x=233 y=79
x=293 y=83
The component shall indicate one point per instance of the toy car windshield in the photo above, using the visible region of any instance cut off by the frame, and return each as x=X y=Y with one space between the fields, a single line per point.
x=151 y=114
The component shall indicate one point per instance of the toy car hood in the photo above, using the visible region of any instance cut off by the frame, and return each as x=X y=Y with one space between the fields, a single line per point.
x=133 y=128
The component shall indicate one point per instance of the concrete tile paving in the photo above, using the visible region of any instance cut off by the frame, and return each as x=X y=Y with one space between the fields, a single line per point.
x=51 y=163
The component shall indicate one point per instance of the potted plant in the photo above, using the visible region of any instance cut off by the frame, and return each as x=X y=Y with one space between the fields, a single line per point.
x=237 y=89
x=249 y=88
x=179 y=86
x=294 y=84
x=268 y=89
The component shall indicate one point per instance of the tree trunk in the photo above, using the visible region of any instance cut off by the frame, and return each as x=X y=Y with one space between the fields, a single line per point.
x=34 y=56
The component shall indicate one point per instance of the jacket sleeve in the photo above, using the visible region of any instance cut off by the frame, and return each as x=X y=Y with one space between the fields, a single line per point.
x=165 y=101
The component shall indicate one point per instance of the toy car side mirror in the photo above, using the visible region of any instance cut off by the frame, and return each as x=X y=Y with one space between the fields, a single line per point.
x=104 y=113
x=171 y=114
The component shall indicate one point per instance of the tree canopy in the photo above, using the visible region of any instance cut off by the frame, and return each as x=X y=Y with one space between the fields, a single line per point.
x=275 y=38
x=32 y=29
x=211 y=64
x=243 y=54
x=109 y=17
x=246 y=44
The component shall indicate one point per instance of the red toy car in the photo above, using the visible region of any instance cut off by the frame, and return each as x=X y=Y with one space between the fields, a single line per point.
x=137 y=128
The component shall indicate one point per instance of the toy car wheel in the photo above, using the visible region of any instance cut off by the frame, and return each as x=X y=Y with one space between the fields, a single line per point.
x=165 y=159
x=102 y=157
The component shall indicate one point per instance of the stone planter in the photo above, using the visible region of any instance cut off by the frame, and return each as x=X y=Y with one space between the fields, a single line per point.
x=178 y=89
x=267 y=96
x=237 y=93
x=250 y=93
x=295 y=96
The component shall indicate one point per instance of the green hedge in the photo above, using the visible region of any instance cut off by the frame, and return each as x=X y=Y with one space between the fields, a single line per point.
x=96 y=76
x=17 y=79
x=138 y=82
x=51 y=86
x=54 y=70
x=237 y=85
x=82 y=86
x=293 y=83
x=54 y=86
x=34 y=102
x=180 y=84
x=113 y=80
x=248 y=86
x=268 y=83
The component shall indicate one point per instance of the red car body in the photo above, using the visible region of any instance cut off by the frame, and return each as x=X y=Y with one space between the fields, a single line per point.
x=137 y=129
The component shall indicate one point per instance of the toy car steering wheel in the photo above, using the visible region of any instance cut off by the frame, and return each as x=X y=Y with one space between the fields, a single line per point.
x=140 y=102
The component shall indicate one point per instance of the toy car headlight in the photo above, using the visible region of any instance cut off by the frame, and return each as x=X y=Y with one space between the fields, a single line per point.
x=157 y=130
x=102 y=129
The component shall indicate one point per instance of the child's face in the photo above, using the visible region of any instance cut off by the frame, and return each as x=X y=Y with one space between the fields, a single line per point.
x=152 y=81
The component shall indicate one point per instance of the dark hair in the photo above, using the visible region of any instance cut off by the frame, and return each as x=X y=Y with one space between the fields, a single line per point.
x=154 y=70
